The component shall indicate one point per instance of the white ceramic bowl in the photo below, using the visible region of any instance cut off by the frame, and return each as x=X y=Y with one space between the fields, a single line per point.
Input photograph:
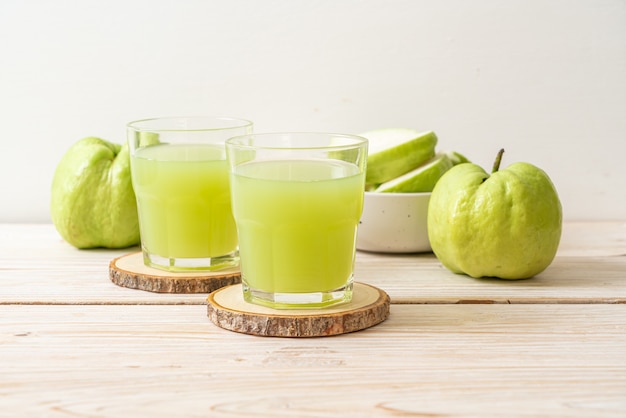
x=394 y=223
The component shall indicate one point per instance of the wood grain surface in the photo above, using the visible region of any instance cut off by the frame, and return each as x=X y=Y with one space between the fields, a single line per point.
x=73 y=344
x=227 y=309
x=36 y=266
x=424 y=361
x=130 y=271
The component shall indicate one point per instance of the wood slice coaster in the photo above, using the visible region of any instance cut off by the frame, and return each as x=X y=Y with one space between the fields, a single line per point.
x=130 y=271
x=227 y=309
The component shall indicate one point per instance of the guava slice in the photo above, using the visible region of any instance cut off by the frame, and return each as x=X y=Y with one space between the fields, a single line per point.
x=421 y=179
x=393 y=152
x=457 y=157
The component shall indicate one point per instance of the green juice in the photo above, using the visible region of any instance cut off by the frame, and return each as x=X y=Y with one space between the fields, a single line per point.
x=297 y=223
x=183 y=199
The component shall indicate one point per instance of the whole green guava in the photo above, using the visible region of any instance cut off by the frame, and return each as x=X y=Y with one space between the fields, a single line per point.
x=505 y=225
x=92 y=202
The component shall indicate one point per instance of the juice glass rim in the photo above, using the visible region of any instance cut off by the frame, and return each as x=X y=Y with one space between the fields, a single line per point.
x=238 y=141
x=177 y=124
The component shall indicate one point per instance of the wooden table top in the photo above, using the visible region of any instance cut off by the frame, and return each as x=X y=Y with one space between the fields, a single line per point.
x=73 y=344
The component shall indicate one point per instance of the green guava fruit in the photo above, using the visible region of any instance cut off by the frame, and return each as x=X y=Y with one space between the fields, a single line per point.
x=505 y=225
x=92 y=202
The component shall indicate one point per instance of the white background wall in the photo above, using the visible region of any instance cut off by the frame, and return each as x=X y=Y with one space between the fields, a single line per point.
x=545 y=79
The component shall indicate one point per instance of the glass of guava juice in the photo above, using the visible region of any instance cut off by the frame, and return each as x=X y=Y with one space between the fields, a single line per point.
x=181 y=181
x=297 y=199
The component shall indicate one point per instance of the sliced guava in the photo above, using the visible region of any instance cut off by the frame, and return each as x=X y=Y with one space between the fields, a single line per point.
x=396 y=151
x=421 y=179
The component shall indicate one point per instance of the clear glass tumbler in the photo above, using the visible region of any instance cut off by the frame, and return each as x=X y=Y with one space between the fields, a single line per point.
x=297 y=200
x=181 y=180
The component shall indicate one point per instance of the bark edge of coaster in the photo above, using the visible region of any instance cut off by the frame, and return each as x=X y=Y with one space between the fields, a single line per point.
x=227 y=309
x=130 y=271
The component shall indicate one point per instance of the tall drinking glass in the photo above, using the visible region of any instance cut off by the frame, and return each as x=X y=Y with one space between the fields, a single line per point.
x=181 y=181
x=297 y=200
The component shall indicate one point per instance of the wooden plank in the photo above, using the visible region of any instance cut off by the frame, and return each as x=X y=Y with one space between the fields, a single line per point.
x=425 y=360
x=422 y=279
x=36 y=266
x=593 y=239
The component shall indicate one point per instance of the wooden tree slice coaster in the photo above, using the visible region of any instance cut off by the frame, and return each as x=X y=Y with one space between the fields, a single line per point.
x=227 y=309
x=130 y=271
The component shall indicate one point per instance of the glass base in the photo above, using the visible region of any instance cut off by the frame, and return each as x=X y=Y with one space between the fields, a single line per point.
x=311 y=300
x=191 y=264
